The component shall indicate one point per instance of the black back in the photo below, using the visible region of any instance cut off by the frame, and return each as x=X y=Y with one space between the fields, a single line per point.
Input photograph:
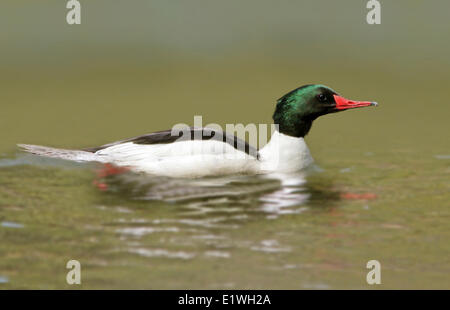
x=167 y=136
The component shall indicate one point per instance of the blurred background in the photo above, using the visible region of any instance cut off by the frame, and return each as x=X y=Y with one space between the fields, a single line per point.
x=133 y=67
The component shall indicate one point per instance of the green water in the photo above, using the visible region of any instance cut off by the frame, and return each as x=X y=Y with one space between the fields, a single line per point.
x=380 y=188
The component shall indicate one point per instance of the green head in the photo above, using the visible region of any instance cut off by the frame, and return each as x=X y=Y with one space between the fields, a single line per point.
x=296 y=110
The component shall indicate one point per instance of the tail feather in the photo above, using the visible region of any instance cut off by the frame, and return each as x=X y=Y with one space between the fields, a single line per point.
x=75 y=155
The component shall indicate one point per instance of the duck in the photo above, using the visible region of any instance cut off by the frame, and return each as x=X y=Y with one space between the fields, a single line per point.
x=201 y=151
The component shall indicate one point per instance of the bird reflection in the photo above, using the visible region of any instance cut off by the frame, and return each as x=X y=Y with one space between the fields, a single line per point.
x=272 y=193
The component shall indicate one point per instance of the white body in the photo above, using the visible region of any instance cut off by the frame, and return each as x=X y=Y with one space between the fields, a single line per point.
x=195 y=158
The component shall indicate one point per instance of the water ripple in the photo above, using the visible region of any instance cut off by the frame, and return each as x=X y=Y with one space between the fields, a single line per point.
x=161 y=253
x=11 y=225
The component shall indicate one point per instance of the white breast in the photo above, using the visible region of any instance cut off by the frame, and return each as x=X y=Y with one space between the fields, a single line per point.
x=284 y=153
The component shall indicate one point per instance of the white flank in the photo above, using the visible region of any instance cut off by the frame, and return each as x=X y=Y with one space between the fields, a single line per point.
x=194 y=158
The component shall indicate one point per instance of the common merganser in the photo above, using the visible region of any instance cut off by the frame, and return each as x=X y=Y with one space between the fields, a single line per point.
x=201 y=152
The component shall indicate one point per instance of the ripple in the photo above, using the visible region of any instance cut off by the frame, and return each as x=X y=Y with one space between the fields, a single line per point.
x=270 y=246
x=442 y=156
x=141 y=231
x=162 y=253
x=209 y=237
x=218 y=254
x=11 y=225
x=345 y=170
x=135 y=221
x=208 y=223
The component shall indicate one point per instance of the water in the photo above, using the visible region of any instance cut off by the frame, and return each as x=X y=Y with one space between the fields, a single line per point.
x=380 y=185
x=312 y=230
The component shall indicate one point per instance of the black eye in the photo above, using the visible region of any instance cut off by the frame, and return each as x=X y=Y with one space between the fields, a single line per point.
x=322 y=97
